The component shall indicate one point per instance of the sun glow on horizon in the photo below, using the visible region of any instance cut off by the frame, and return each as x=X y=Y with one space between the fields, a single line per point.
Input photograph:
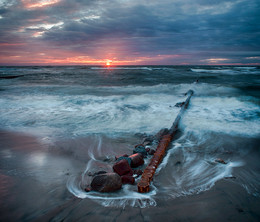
x=108 y=63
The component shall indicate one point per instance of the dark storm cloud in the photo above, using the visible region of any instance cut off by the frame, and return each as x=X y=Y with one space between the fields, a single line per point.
x=208 y=28
x=202 y=27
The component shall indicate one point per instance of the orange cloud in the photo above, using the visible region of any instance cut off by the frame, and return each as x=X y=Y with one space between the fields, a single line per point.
x=39 y=3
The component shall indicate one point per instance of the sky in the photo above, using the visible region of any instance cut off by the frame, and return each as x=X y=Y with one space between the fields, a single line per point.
x=129 y=32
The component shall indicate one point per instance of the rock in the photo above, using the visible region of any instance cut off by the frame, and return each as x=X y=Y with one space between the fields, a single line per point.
x=125 y=158
x=96 y=173
x=122 y=167
x=148 y=140
x=136 y=160
x=151 y=152
x=138 y=172
x=87 y=189
x=161 y=133
x=100 y=172
x=140 y=149
x=220 y=161
x=147 y=150
x=125 y=155
x=230 y=177
x=108 y=182
x=127 y=179
x=179 y=104
x=177 y=163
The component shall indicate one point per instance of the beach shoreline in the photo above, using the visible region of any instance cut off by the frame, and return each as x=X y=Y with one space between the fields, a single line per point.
x=40 y=194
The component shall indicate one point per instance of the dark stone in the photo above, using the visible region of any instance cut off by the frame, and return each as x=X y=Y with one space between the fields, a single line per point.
x=108 y=182
x=136 y=160
x=177 y=163
x=125 y=158
x=220 y=161
x=125 y=155
x=179 y=104
x=148 y=140
x=140 y=149
x=138 y=172
x=96 y=173
x=122 y=167
x=127 y=179
x=100 y=172
x=230 y=177
x=87 y=189
x=151 y=152
x=147 y=150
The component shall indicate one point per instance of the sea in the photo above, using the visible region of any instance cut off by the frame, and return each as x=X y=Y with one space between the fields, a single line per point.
x=84 y=116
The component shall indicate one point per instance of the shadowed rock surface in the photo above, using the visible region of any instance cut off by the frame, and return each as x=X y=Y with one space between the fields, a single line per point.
x=108 y=182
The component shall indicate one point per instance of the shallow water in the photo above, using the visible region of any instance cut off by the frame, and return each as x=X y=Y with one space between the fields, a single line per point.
x=79 y=118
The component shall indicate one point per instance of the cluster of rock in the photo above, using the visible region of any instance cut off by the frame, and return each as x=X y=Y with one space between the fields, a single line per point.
x=126 y=168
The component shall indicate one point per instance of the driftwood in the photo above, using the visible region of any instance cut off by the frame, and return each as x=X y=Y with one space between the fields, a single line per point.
x=144 y=183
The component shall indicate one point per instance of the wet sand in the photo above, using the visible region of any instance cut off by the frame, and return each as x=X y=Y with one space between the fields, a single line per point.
x=33 y=188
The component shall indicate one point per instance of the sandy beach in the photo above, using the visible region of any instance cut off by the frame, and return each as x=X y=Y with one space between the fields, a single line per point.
x=33 y=188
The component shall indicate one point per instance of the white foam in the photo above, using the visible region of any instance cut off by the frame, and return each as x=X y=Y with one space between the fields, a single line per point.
x=217 y=71
x=132 y=109
x=222 y=114
x=228 y=71
x=127 y=196
x=195 y=173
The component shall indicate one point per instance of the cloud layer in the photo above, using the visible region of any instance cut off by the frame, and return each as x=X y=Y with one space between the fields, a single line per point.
x=129 y=32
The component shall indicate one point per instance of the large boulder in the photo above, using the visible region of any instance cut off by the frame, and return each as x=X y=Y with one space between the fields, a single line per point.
x=107 y=182
x=122 y=167
x=136 y=160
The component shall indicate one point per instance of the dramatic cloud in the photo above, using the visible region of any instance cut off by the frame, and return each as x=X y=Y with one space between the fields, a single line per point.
x=129 y=32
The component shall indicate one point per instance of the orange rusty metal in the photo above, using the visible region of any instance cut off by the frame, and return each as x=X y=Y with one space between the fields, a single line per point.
x=147 y=176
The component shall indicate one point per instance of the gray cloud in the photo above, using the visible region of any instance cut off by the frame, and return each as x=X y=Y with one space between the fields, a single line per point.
x=193 y=27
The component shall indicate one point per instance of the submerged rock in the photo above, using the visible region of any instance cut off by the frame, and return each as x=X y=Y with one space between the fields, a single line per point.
x=179 y=104
x=151 y=152
x=108 y=182
x=122 y=167
x=138 y=172
x=220 y=161
x=177 y=163
x=148 y=140
x=136 y=160
x=140 y=149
